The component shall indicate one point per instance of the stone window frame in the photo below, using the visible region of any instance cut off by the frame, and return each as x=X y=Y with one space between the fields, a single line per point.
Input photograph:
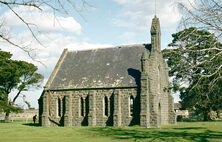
x=59 y=107
x=85 y=111
x=82 y=106
x=131 y=106
x=106 y=106
x=160 y=112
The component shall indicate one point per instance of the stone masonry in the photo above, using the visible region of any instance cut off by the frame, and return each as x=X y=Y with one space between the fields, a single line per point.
x=118 y=86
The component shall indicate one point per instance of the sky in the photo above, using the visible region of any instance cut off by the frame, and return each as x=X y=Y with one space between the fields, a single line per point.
x=100 y=25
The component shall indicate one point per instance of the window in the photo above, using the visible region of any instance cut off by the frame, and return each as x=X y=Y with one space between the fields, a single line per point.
x=131 y=105
x=82 y=107
x=59 y=107
x=159 y=115
x=106 y=106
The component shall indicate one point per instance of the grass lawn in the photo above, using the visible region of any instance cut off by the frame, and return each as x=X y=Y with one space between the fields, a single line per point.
x=181 y=132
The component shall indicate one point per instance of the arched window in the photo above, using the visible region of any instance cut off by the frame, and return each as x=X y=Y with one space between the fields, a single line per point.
x=106 y=106
x=131 y=105
x=159 y=114
x=82 y=107
x=59 y=107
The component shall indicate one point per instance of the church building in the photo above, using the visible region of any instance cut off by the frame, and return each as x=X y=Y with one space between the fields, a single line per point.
x=118 y=86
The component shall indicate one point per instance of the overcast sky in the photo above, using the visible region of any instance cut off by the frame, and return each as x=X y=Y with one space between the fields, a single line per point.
x=104 y=24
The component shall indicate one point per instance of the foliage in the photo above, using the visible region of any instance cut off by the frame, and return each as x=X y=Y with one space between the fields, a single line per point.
x=181 y=132
x=18 y=75
x=195 y=63
x=9 y=78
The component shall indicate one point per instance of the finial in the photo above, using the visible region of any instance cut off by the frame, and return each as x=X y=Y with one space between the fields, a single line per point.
x=155 y=26
x=155 y=7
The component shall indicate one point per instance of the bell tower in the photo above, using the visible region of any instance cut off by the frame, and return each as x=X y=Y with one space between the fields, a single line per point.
x=150 y=66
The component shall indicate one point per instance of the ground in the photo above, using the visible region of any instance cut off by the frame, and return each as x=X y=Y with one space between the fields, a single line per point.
x=180 y=132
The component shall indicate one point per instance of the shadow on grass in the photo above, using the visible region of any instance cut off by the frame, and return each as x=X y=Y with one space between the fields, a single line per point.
x=150 y=134
x=190 y=128
x=31 y=124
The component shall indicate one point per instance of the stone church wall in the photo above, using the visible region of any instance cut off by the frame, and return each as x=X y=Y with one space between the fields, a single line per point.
x=82 y=104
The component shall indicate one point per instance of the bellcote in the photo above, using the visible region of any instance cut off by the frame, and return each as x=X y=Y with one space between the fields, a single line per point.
x=155 y=34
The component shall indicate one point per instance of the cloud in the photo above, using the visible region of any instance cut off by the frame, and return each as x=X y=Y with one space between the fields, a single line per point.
x=135 y=16
x=122 y=1
x=140 y=12
x=53 y=36
x=127 y=38
x=54 y=44
x=42 y=20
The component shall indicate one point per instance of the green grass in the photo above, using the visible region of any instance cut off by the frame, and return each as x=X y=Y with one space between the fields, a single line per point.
x=181 y=132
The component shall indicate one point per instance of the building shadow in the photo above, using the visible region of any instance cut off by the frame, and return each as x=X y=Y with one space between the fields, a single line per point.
x=148 y=47
x=85 y=119
x=32 y=124
x=136 y=74
x=156 y=134
x=109 y=121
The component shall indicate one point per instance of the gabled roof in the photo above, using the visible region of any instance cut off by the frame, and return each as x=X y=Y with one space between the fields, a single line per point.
x=99 y=68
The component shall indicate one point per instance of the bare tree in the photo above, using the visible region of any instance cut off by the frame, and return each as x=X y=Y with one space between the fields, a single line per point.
x=57 y=6
x=204 y=14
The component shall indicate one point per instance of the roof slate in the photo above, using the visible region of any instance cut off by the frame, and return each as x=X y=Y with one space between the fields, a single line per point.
x=101 y=68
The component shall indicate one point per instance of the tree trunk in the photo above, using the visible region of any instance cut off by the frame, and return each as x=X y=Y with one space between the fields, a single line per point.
x=219 y=114
x=16 y=96
x=207 y=115
x=7 y=117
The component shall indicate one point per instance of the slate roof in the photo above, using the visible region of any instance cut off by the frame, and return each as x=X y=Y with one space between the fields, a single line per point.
x=101 y=68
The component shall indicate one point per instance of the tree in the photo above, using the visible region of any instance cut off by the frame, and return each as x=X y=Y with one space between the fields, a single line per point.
x=203 y=14
x=196 y=69
x=57 y=6
x=18 y=75
x=203 y=99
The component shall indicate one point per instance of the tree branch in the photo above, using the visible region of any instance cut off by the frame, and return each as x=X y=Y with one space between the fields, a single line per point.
x=22 y=4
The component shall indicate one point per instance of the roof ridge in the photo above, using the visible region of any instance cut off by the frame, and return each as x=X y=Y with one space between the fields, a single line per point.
x=120 y=46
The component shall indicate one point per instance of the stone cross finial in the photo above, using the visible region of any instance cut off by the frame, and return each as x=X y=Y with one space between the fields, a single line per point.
x=155 y=7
